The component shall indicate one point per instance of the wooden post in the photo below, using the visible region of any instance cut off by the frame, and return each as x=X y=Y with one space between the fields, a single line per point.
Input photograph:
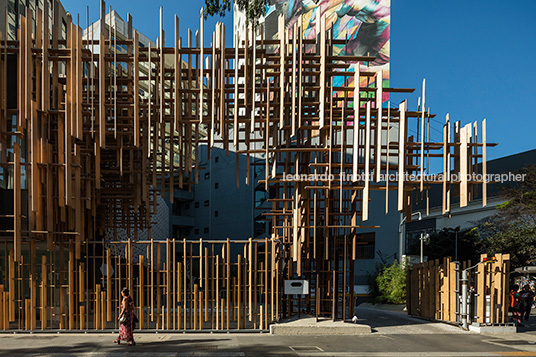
x=194 y=312
x=98 y=307
x=141 y=301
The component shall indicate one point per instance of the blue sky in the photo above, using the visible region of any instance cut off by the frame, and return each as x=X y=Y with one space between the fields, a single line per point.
x=477 y=57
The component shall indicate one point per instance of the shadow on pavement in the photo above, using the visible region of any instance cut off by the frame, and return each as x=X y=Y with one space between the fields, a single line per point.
x=171 y=345
x=376 y=318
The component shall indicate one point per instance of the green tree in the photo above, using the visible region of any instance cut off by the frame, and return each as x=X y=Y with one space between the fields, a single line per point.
x=518 y=241
x=442 y=244
x=520 y=204
x=513 y=228
x=254 y=8
x=389 y=284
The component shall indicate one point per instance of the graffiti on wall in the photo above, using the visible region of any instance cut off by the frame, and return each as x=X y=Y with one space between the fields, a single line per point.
x=364 y=24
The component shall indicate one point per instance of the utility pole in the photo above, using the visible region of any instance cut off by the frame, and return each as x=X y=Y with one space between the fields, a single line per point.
x=456 y=247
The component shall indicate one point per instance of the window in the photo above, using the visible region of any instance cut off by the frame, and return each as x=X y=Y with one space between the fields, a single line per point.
x=366 y=244
x=216 y=159
x=205 y=230
x=63 y=29
x=176 y=209
x=260 y=226
x=259 y=170
x=197 y=205
x=216 y=213
x=207 y=175
x=196 y=231
x=216 y=185
x=260 y=196
x=206 y=203
x=187 y=205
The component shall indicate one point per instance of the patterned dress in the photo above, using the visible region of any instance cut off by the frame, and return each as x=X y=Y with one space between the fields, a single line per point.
x=126 y=329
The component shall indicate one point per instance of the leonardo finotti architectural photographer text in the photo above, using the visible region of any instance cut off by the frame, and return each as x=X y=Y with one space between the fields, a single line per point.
x=393 y=177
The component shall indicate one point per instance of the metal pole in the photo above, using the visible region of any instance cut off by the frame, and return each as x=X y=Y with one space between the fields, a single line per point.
x=402 y=234
x=401 y=237
x=464 y=299
x=422 y=248
x=456 y=247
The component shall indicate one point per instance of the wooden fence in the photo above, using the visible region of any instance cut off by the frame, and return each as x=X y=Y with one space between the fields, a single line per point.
x=434 y=290
x=176 y=285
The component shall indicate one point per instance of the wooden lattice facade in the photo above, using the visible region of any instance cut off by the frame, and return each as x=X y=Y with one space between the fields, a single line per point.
x=83 y=151
x=434 y=293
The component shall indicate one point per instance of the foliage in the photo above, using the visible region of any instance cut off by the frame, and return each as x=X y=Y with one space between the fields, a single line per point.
x=442 y=244
x=520 y=204
x=513 y=228
x=254 y=8
x=516 y=240
x=389 y=284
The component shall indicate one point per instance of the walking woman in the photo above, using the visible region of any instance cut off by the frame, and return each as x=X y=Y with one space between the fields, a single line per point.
x=126 y=319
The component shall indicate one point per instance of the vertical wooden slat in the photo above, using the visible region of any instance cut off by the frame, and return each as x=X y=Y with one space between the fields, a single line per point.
x=141 y=300
x=136 y=90
x=72 y=289
x=464 y=133
x=206 y=285
x=169 y=265
x=98 y=307
x=3 y=320
x=379 y=118
x=484 y=166
x=368 y=135
x=401 y=154
x=17 y=204
x=239 y=293
x=228 y=282
x=158 y=287
x=217 y=296
x=195 y=306
x=44 y=300
x=109 y=284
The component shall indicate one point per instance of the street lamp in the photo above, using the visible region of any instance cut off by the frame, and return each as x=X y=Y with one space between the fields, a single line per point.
x=401 y=232
x=422 y=239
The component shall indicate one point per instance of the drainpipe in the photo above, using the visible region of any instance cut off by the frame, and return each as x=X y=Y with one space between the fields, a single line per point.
x=464 y=314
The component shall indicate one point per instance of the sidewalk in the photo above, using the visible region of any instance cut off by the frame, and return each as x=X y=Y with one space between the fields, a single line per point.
x=401 y=308
x=307 y=325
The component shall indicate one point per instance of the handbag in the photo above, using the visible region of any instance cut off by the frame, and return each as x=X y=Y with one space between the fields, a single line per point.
x=123 y=319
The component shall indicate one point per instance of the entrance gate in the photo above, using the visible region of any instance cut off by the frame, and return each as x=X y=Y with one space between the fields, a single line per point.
x=435 y=293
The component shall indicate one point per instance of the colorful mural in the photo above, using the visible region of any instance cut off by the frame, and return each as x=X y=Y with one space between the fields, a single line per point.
x=365 y=24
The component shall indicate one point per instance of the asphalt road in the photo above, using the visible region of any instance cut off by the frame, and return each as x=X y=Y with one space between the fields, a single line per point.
x=393 y=334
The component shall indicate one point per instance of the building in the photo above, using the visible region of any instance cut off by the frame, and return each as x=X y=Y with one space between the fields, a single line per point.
x=469 y=216
x=12 y=9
